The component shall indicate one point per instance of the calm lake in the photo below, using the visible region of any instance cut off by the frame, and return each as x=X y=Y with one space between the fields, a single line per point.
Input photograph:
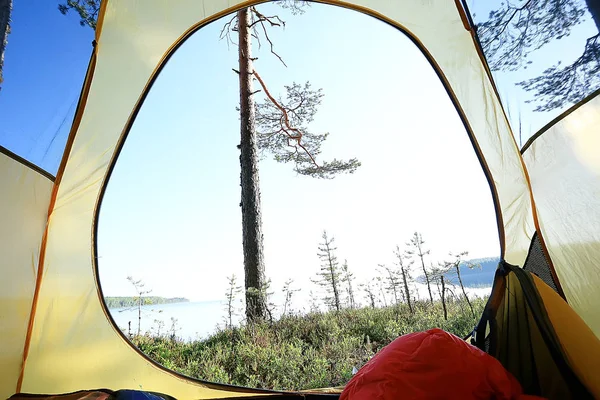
x=193 y=320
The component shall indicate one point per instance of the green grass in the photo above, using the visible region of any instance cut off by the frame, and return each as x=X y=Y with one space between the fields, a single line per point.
x=303 y=351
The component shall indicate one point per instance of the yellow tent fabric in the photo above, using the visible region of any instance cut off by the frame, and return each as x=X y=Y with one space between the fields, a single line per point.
x=73 y=344
x=24 y=199
x=564 y=167
x=581 y=346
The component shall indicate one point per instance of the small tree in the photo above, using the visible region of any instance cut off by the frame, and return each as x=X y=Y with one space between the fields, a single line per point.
x=348 y=278
x=231 y=295
x=393 y=285
x=174 y=329
x=416 y=243
x=393 y=280
x=141 y=292
x=288 y=293
x=369 y=293
x=437 y=276
x=404 y=264
x=330 y=276
x=268 y=295
x=313 y=302
x=380 y=281
x=454 y=266
x=160 y=324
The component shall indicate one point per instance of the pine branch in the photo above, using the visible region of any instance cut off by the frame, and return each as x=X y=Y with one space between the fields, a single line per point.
x=285 y=119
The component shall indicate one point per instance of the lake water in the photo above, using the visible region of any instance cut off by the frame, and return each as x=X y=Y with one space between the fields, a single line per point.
x=195 y=320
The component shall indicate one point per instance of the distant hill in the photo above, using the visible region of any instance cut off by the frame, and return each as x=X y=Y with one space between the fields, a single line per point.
x=480 y=276
x=477 y=277
x=130 y=301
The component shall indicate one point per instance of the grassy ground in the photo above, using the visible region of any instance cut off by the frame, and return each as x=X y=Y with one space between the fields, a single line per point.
x=302 y=352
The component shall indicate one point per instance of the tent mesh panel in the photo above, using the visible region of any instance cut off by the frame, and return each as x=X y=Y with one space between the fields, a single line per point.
x=537 y=264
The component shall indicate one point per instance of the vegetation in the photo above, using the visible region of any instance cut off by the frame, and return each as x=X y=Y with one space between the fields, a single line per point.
x=303 y=351
x=320 y=349
x=131 y=301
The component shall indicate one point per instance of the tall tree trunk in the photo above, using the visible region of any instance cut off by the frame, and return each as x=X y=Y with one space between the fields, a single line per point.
x=252 y=237
x=594 y=9
x=5 y=9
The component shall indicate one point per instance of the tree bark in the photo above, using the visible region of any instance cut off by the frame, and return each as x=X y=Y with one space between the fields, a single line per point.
x=252 y=237
x=594 y=9
x=5 y=10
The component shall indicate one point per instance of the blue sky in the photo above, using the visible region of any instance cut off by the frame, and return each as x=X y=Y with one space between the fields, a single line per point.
x=171 y=216
x=44 y=68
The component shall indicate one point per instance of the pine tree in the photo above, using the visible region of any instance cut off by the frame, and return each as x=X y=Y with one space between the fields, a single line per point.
x=141 y=292
x=274 y=126
x=231 y=295
x=438 y=276
x=416 y=243
x=369 y=293
x=393 y=279
x=380 y=282
x=455 y=266
x=288 y=293
x=330 y=276
x=348 y=278
x=404 y=264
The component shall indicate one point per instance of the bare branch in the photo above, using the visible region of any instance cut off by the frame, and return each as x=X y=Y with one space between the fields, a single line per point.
x=271 y=43
x=226 y=31
x=273 y=20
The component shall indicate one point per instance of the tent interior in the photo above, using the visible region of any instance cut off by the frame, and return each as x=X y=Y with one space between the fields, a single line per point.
x=541 y=321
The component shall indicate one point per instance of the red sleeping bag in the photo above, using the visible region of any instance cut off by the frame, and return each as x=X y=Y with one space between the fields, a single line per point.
x=432 y=365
